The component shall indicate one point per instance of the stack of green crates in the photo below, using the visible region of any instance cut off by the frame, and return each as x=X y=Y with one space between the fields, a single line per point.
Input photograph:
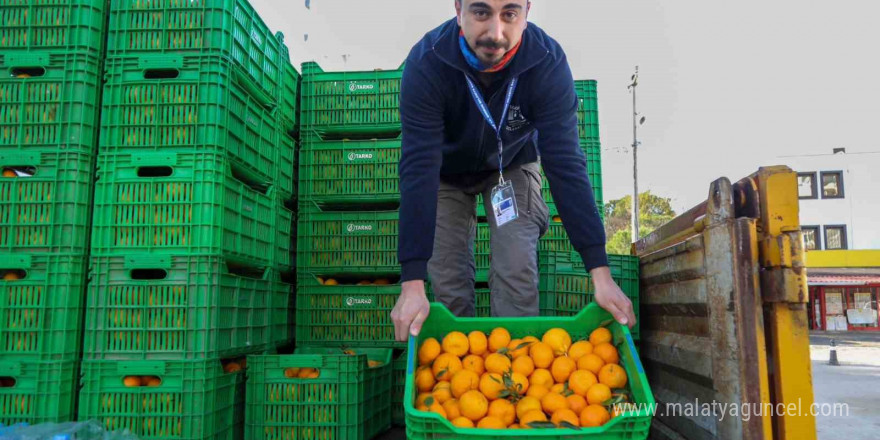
x=347 y=270
x=50 y=56
x=192 y=230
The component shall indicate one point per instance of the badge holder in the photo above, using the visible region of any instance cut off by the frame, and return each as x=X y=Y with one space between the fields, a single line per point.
x=502 y=196
x=504 y=203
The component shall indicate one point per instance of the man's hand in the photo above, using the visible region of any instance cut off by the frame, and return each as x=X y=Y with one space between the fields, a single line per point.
x=411 y=310
x=611 y=298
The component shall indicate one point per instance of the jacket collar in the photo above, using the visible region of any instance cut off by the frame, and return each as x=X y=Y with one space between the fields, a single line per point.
x=531 y=52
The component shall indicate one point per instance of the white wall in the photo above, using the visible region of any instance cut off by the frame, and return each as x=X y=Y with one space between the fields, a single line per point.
x=860 y=207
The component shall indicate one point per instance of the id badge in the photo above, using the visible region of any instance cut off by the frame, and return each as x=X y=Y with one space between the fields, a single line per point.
x=504 y=204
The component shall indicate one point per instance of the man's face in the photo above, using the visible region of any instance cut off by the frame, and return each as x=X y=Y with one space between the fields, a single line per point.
x=492 y=27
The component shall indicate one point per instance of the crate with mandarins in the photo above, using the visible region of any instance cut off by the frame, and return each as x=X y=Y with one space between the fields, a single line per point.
x=34 y=391
x=41 y=302
x=188 y=203
x=166 y=399
x=61 y=26
x=351 y=311
x=49 y=100
x=178 y=103
x=45 y=201
x=319 y=393
x=231 y=28
x=578 y=377
x=565 y=286
x=333 y=241
x=160 y=307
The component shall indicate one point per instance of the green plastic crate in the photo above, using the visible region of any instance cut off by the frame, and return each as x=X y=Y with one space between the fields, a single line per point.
x=289 y=97
x=350 y=102
x=195 y=400
x=157 y=307
x=46 y=206
x=58 y=25
x=231 y=28
x=41 y=312
x=587 y=111
x=398 y=389
x=594 y=174
x=482 y=302
x=349 y=400
x=346 y=242
x=195 y=207
x=629 y=425
x=286 y=170
x=555 y=239
x=339 y=172
x=43 y=391
x=49 y=101
x=482 y=251
x=345 y=314
x=565 y=287
x=205 y=103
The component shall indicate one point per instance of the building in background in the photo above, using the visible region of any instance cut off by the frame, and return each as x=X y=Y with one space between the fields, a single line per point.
x=840 y=217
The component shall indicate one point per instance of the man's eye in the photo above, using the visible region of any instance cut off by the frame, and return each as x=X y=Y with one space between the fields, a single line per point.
x=481 y=14
x=510 y=15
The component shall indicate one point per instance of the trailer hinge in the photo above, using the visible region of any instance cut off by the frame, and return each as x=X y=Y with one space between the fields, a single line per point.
x=783 y=274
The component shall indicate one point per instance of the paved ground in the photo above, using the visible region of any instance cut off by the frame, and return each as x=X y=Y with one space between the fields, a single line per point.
x=855 y=383
x=393 y=434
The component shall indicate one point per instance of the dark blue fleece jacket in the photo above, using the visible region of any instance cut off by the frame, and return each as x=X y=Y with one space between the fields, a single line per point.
x=445 y=136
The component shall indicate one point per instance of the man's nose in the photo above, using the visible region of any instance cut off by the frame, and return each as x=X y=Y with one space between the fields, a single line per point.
x=496 y=29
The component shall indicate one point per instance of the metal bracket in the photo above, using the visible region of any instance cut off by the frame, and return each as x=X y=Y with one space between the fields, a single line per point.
x=784 y=277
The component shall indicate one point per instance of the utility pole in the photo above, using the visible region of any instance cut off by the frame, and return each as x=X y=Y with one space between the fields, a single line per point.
x=635 y=146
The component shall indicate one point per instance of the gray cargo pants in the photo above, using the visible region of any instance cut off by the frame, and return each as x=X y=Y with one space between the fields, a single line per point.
x=513 y=274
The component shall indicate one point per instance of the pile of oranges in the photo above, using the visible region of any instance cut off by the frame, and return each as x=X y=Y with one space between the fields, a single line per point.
x=314 y=373
x=376 y=282
x=141 y=381
x=493 y=381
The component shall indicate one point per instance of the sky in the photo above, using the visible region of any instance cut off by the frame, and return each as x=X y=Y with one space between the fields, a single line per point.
x=725 y=87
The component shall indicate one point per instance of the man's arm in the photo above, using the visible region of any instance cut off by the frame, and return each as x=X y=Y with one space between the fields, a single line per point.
x=565 y=165
x=566 y=169
x=421 y=114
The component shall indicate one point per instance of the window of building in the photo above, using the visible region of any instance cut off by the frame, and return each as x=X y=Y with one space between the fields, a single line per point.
x=807 y=186
x=835 y=237
x=832 y=184
x=811 y=237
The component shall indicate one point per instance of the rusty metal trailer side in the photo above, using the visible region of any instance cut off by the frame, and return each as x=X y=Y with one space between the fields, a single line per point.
x=723 y=309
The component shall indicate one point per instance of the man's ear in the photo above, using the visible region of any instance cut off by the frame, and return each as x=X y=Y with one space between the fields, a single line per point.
x=458 y=12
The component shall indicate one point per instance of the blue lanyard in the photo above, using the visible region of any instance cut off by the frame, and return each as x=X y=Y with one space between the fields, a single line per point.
x=484 y=109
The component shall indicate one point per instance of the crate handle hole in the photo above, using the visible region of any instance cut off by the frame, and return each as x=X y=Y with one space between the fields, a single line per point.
x=19 y=171
x=246 y=272
x=154 y=171
x=7 y=382
x=13 y=274
x=26 y=72
x=149 y=274
x=141 y=381
x=161 y=73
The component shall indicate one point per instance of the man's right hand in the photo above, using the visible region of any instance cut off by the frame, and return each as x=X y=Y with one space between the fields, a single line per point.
x=411 y=310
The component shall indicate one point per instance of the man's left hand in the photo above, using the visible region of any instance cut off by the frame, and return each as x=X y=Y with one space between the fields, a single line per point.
x=611 y=298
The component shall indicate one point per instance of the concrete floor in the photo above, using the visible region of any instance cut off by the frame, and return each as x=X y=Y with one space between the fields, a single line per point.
x=855 y=383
